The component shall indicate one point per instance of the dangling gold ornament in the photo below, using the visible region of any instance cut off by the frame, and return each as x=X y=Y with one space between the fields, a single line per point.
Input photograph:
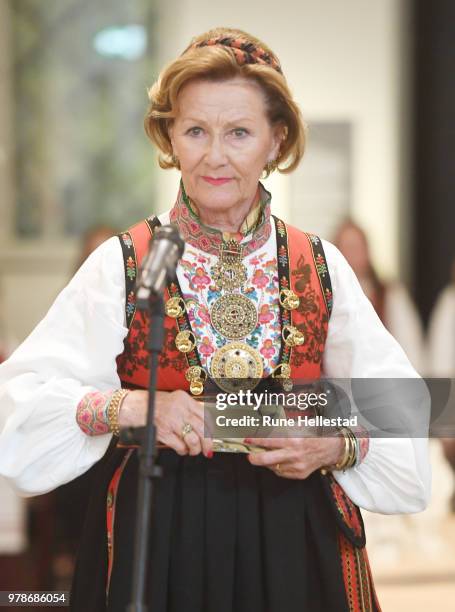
x=287 y=384
x=292 y=336
x=234 y=316
x=288 y=299
x=196 y=387
x=282 y=370
x=185 y=341
x=194 y=373
x=174 y=307
x=283 y=373
x=196 y=376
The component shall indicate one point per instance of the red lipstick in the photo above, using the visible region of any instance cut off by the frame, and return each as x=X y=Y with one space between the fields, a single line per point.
x=216 y=181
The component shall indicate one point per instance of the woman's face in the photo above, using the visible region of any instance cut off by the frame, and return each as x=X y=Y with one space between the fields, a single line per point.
x=222 y=138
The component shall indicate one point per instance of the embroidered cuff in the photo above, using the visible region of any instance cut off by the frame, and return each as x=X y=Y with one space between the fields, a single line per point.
x=362 y=437
x=91 y=413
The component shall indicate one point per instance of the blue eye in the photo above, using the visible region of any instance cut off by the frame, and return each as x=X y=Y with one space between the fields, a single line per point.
x=239 y=132
x=194 y=131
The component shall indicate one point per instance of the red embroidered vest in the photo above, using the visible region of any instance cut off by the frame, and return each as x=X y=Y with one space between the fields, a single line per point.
x=301 y=267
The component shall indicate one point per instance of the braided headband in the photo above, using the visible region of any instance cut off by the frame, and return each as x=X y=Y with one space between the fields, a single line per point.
x=245 y=52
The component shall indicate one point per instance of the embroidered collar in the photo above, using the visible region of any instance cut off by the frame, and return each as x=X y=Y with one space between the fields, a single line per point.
x=254 y=231
x=249 y=224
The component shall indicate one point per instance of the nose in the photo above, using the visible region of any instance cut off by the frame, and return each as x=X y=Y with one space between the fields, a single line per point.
x=215 y=154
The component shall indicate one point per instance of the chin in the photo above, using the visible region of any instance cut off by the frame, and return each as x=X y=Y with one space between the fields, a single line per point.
x=221 y=197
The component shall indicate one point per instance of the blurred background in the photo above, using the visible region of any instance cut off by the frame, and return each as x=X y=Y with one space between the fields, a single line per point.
x=375 y=81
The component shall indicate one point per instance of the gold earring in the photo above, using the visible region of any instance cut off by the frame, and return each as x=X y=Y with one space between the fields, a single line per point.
x=175 y=160
x=270 y=166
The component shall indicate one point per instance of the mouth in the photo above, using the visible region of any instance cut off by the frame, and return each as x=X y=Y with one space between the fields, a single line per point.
x=216 y=181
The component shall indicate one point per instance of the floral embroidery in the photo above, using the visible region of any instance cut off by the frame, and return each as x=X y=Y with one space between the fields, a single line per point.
x=320 y=265
x=363 y=443
x=205 y=348
x=284 y=282
x=283 y=256
x=328 y=299
x=261 y=287
x=251 y=292
x=313 y=322
x=208 y=239
x=302 y=274
x=127 y=240
x=135 y=356
x=270 y=265
x=129 y=258
x=199 y=279
x=193 y=226
x=203 y=313
x=267 y=350
x=281 y=229
x=131 y=304
x=91 y=413
x=322 y=271
x=130 y=268
x=253 y=341
x=265 y=315
x=260 y=279
x=244 y=52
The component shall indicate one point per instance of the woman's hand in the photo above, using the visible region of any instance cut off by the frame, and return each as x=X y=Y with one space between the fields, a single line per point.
x=172 y=411
x=297 y=457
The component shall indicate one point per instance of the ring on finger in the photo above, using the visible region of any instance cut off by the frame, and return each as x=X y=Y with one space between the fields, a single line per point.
x=186 y=429
x=277 y=468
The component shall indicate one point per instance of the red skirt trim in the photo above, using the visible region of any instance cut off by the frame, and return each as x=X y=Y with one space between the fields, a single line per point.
x=358 y=581
x=110 y=514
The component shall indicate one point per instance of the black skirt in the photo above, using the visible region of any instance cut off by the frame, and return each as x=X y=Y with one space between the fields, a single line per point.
x=226 y=536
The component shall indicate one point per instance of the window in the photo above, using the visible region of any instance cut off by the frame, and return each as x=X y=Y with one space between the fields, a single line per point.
x=80 y=72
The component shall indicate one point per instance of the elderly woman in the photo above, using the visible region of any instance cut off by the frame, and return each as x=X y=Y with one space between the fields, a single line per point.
x=230 y=532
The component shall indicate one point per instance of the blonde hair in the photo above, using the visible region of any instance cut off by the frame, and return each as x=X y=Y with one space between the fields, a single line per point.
x=219 y=62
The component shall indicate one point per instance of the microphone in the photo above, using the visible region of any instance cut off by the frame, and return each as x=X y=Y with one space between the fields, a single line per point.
x=160 y=263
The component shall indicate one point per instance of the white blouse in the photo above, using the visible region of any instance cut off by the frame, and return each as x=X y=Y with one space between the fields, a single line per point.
x=73 y=350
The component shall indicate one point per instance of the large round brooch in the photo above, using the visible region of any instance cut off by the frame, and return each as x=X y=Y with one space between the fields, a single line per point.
x=234 y=316
x=236 y=366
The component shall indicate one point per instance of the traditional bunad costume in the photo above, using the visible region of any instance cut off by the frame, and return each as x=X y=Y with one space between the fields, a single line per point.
x=271 y=302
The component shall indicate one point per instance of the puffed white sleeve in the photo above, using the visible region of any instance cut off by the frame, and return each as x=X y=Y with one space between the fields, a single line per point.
x=395 y=475
x=71 y=352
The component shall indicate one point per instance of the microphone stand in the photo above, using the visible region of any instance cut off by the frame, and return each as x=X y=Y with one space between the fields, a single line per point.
x=148 y=470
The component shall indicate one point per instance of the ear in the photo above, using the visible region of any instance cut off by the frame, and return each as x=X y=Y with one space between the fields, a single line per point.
x=278 y=135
